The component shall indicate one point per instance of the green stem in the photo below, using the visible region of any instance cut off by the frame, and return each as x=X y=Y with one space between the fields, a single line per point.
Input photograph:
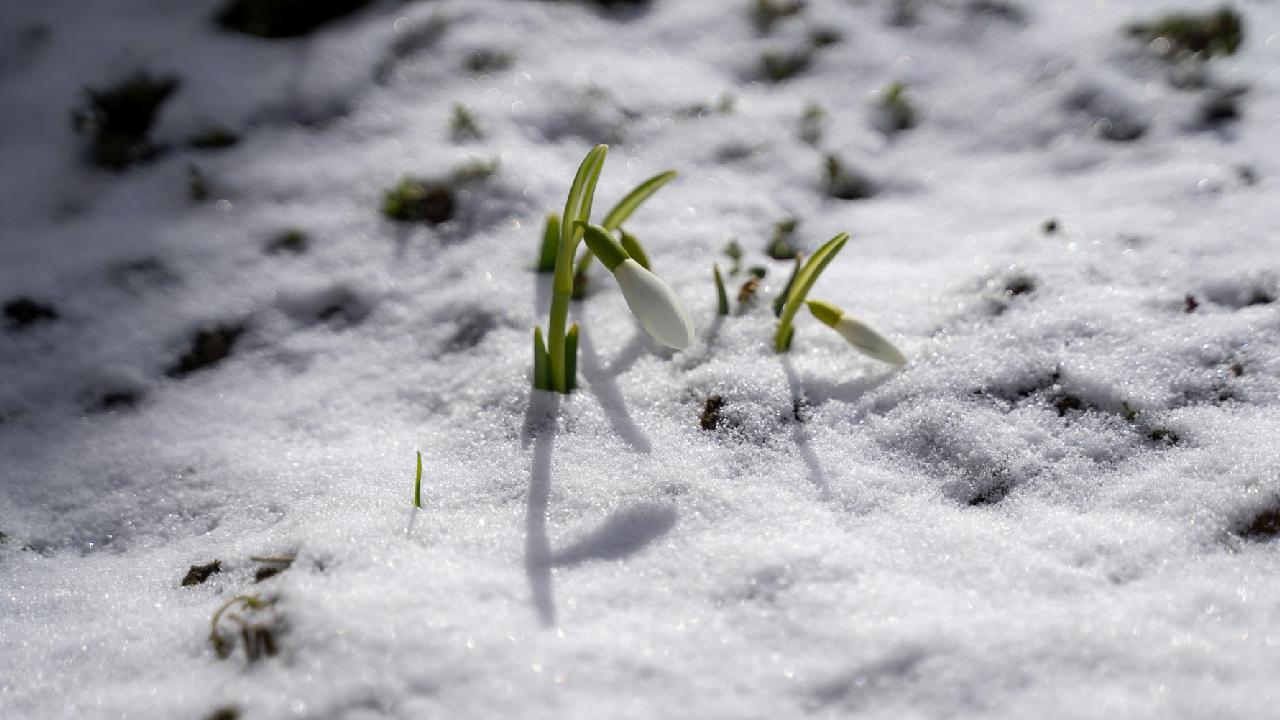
x=577 y=207
x=417 y=484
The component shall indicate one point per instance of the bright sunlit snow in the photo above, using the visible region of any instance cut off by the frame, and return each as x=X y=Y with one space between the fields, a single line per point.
x=1065 y=505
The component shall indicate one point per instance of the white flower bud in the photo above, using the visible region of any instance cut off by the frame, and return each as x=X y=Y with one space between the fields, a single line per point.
x=655 y=305
x=861 y=336
x=858 y=333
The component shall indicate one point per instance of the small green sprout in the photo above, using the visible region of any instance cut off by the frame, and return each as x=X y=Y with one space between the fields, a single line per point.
x=894 y=111
x=463 y=126
x=846 y=184
x=781 y=245
x=1178 y=35
x=722 y=298
x=734 y=251
x=417 y=484
x=417 y=200
x=857 y=333
x=550 y=244
x=811 y=122
x=800 y=286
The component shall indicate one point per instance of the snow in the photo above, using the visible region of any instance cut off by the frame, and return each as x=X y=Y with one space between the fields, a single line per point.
x=1043 y=515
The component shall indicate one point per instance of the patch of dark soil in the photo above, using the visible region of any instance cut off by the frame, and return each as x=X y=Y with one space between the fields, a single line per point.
x=23 y=312
x=210 y=346
x=199 y=573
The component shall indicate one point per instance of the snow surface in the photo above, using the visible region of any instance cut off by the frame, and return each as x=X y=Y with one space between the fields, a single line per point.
x=1006 y=527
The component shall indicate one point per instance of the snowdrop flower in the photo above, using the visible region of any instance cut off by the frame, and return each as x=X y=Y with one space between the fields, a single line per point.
x=859 y=334
x=655 y=305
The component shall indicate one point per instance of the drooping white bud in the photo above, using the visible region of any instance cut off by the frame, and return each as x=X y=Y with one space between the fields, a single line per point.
x=859 y=334
x=655 y=305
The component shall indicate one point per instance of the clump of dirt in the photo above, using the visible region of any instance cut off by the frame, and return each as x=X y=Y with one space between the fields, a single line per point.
x=283 y=18
x=288 y=241
x=710 y=418
x=199 y=573
x=419 y=200
x=23 y=312
x=117 y=120
x=210 y=346
x=1217 y=32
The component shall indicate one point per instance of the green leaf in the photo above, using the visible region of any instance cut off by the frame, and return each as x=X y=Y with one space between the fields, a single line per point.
x=635 y=199
x=800 y=286
x=541 y=362
x=417 y=485
x=550 y=244
x=581 y=194
x=722 y=298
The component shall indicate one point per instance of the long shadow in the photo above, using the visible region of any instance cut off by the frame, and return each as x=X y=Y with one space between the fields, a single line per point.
x=604 y=387
x=541 y=429
x=817 y=475
x=625 y=532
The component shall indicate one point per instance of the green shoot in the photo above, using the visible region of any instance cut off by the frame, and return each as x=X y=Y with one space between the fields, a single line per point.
x=463 y=126
x=550 y=244
x=781 y=300
x=417 y=484
x=780 y=245
x=722 y=298
x=811 y=123
x=541 y=362
x=800 y=286
x=845 y=183
x=734 y=251
x=625 y=207
x=895 y=112
x=577 y=207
